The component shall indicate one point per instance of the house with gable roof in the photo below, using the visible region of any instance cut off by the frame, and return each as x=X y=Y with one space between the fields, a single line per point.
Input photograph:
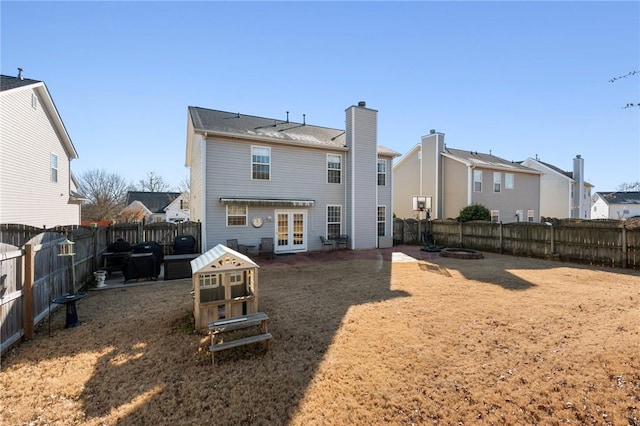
x=37 y=187
x=455 y=178
x=254 y=177
x=152 y=207
x=616 y=205
x=563 y=194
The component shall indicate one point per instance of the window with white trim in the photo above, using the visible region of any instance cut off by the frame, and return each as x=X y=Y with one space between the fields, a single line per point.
x=497 y=181
x=334 y=168
x=530 y=215
x=382 y=220
x=495 y=216
x=334 y=221
x=477 y=181
x=236 y=215
x=260 y=163
x=208 y=280
x=54 y=168
x=508 y=180
x=382 y=172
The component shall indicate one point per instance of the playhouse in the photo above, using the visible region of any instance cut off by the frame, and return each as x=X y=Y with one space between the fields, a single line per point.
x=225 y=285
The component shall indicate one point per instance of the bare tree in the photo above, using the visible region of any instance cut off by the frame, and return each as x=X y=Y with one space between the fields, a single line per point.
x=629 y=186
x=184 y=185
x=105 y=192
x=153 y=183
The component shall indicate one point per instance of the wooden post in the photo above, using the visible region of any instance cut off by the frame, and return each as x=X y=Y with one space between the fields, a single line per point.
x=461 y=245
x=500 y=251
x=553 y=249
x=624 y=246
x=27 y=291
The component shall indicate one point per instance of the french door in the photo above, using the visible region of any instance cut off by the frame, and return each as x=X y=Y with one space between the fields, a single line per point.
x=291 y=231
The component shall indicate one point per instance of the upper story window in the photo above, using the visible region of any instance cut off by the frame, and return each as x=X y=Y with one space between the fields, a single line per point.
x=530 y=214
x=236 y=215
x=334 y=168
x=508 y=181
x=497 y=181
x=495 y=216
x=54 y=168
x=382 y=172
x=260 y=163
x=477 y=181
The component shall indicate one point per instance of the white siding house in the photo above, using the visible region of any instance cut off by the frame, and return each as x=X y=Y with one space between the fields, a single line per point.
x=36 y=183
x=615 y=205
x=563 y=194
x=253 y=177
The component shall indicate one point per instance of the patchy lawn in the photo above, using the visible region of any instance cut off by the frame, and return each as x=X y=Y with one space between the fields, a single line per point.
x=357 y=340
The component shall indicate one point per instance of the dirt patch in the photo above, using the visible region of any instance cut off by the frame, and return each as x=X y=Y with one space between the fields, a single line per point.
x=358 y=339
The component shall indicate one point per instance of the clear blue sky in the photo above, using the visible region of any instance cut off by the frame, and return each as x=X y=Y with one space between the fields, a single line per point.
x=516 y=78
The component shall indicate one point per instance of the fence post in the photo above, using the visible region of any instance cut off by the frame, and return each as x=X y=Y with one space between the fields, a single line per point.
x=624 y=245
x=553 y=237
x=27 y=291
x=500 y=251
x=461 y=245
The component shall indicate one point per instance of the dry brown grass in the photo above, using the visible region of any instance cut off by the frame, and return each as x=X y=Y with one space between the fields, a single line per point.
x=500 y=340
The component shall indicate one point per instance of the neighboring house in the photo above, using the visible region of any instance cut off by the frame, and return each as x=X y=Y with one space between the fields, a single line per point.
x=563 y=194
x=615 y=205
x=37 y=187
x=151 y=207
x=254 y=177
x=454 y=179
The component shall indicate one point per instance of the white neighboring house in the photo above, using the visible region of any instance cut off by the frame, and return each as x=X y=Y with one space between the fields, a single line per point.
x=615 y=205
x=37 y=187
x=563 y=194
x=152 y=207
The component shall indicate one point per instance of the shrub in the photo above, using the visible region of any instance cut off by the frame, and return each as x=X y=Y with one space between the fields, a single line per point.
x=474 y=212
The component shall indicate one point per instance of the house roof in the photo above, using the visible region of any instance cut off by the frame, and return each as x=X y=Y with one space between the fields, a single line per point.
x=490 y=161
x=630 y=197
x=555 y=169
x=154 y=201
x=232 y=124
x=221 y=258
x=8 y=83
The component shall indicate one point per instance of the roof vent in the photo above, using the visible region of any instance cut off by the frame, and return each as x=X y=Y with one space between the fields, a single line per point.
x=432 y=131
x=20 y=74
x=362 y=104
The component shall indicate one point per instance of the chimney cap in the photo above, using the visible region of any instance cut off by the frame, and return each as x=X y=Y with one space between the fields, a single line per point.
x=20 y=74
x=432 y=131
x=362 y=104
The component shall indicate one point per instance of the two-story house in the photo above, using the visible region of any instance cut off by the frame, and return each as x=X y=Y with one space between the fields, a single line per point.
x=36 y=184
x=152 y=207
x=616 y=205
x=453 y=179
x=253 y=177
x=563 y=194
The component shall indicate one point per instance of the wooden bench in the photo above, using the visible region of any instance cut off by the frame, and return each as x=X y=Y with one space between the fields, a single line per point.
x=217 y=328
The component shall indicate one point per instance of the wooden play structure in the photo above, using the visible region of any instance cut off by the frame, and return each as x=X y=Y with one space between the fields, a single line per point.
x=225 y=284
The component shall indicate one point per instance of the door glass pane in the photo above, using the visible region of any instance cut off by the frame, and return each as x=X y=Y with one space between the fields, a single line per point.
x=283 y=229
x=298 y=228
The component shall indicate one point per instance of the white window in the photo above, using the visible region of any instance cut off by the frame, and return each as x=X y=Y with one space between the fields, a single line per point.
x=382 y=216
x=236 y=278
x=495 y=216
x=497 y=181
x=382 y=172
x=334 y=168
x=236 y=215
x=477 y=181
x=334 y=221
x=260 y=163
x=208 y=281
x=54 y=168
x=508 y=181
x=530 y=215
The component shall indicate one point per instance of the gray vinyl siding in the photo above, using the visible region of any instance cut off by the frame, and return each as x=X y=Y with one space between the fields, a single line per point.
x=362 y=184
x=385 y=196
x=27 y=140
x=195 y=181
x=295 y=173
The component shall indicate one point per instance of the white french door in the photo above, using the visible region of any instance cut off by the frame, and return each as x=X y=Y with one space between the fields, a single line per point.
x=291 y=231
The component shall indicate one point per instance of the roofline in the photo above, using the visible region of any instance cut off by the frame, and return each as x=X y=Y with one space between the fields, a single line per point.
x=490 y=167
x=264 y=139
x=405 y=156
x=41 y=88
x=551 y=169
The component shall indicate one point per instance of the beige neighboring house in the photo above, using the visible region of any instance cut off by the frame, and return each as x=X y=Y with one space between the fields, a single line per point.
x=455 y=178
x=563 y=194
x=37 y=187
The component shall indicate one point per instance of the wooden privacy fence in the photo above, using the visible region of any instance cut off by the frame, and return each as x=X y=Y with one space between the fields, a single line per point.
x=32 y=273
x=601 y=243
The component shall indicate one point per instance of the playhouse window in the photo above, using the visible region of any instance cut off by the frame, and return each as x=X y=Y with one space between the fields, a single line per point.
x=208 y=281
